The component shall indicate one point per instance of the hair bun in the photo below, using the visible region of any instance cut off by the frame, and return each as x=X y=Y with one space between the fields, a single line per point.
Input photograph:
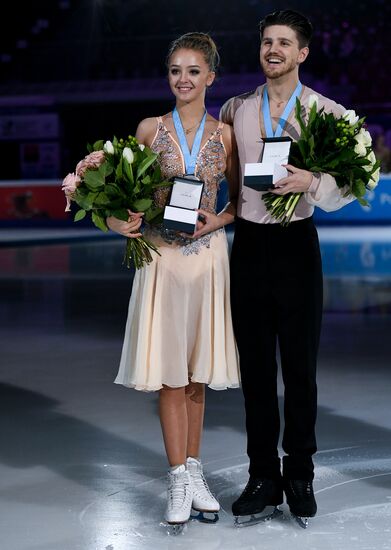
x=200 y=42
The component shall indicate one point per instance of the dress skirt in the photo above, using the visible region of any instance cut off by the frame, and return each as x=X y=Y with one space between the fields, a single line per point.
x=179 y=325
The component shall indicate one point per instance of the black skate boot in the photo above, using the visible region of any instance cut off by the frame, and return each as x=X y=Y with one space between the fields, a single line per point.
x=300 y=499
x=258 y=502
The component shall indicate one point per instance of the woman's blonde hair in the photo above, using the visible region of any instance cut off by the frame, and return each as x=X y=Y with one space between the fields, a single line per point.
x=200 y=42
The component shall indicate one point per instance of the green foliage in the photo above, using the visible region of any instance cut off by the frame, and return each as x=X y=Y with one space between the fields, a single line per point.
x=99 y=220
x=328 y=144
x=111 y=186
x=80 y=214
x=117 y=185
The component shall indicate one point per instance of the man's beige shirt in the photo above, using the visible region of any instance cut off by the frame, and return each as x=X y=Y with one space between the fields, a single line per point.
x=244 y=112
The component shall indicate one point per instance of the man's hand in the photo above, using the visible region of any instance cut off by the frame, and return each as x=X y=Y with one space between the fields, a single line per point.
x=298 y=181
x=127 y=229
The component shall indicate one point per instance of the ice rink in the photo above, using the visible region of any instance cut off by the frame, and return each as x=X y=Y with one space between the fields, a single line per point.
x=82 y=463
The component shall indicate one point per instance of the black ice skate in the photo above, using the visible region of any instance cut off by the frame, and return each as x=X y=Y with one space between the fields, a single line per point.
x=258 y=502
x=301 y=500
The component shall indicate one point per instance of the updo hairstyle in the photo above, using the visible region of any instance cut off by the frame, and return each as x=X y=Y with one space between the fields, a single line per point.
x=199 y=42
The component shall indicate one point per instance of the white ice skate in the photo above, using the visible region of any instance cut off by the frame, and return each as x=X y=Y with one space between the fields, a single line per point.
x=205 y=506
x=179 y=499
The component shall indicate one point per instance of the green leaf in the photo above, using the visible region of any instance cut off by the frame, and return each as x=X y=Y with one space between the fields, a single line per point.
x=94 y=179
x=141 y=205
x=80 y=214
x=311 y=143
x=157 y=173
x=362 y=201
x=146 y=163
x=303 y=151
x=118 y=171
x=146 y=180
x=98 y=145
x=312 y=115
x=86 y=200
x=113 y=191
x=102 y=200
x=121 y=214
x=128 y=171
x=99 y=221
x=106 y=169
x=162 y=184
x=154 y=215
x=358 y=188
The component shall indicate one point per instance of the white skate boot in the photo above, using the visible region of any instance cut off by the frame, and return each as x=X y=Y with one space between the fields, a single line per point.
x=205 y=505
x=179 y=499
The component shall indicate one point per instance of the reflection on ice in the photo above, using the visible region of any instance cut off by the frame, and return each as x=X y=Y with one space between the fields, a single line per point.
x=350 y=515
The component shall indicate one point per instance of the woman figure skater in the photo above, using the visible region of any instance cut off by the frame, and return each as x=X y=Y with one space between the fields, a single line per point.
x=179 y=334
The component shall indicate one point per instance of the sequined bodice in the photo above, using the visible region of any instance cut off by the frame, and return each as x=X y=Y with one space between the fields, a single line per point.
x=210 y=167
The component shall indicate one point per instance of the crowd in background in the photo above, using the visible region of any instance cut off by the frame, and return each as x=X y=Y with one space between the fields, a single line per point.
x=103 y=40
x=84 y=39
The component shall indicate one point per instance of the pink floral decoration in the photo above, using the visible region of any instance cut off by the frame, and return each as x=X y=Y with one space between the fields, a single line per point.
x=91 y=161
x=69 y=184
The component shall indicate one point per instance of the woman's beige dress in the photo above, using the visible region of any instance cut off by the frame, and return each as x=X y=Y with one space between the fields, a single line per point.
x=179 y=324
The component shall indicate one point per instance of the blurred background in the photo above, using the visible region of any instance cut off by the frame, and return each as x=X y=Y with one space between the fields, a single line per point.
x=73 y=71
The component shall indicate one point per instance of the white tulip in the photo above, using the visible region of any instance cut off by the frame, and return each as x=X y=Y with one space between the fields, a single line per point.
x=350 y=116
x=128 y=154
x=141 y=146
x=313 y=100
x=108 y=148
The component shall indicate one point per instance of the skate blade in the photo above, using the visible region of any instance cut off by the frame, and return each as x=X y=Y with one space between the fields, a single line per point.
x=253 y=519
x=204 y=517
x=173 y=529
x=301 y=521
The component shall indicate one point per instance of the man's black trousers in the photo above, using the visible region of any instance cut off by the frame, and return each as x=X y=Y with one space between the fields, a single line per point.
x=276 y=295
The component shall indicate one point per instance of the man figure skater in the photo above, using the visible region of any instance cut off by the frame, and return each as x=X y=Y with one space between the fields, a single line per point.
x=276 y=271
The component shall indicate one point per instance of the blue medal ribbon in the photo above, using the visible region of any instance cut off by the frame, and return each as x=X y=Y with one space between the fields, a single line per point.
x=189 y=157
x=285 y=115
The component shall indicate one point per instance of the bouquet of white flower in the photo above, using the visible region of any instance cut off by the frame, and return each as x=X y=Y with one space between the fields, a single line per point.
x=115 y=177
x=339 y=146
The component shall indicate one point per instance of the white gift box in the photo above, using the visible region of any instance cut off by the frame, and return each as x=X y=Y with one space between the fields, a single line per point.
x=263 y=175
x=181 y=212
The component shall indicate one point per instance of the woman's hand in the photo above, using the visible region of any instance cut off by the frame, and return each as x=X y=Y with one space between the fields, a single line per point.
x=129 y=228
x=298 y=181
x=208 y=222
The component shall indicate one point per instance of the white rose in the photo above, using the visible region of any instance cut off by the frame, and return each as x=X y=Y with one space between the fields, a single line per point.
x=313 y=100
x=372 y=158
x=360 y=138
x=366 y=137
x=128 y=154
x=360 y=149
x=372 y=183
x=350 y=116
x=141 y=146
x=108 y=148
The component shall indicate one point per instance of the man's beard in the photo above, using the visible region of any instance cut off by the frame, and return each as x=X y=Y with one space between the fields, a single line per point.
x=278 y=72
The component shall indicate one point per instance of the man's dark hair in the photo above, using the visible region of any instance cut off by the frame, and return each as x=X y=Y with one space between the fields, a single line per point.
x=290 y=18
